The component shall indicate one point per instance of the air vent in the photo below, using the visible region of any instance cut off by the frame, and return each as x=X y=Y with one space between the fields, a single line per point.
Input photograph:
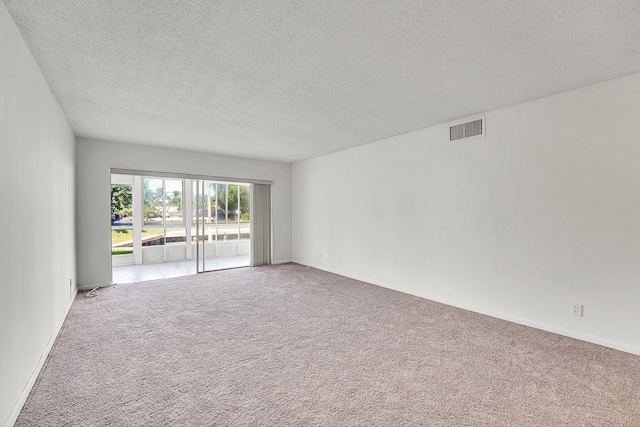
x=466 y=130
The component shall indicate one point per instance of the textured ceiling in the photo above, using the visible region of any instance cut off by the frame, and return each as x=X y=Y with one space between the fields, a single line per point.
x=288 y=80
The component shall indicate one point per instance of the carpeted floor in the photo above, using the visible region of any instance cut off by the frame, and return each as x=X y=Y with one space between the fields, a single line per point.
x=291 y=345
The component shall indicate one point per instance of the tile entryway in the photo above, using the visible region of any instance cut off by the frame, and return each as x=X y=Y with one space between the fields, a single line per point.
x=139 y=273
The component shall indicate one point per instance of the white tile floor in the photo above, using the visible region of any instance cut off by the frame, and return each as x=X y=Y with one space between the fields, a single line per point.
x=139 y=273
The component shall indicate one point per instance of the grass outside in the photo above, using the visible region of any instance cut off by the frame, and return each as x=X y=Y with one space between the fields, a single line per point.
x=121 y=251
x=121 y=236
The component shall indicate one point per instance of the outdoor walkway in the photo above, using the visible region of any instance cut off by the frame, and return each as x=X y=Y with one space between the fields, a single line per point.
x=139 y=273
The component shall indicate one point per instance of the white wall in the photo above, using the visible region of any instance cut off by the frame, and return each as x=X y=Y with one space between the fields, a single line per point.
x=94 y=162
x=37 y=252
x=542 y=212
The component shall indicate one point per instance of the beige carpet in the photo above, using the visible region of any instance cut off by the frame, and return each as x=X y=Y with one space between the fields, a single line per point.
x=290 y=345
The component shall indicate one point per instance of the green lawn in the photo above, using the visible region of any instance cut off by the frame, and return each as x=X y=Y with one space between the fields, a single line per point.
x=121 y=236
x=121 y=251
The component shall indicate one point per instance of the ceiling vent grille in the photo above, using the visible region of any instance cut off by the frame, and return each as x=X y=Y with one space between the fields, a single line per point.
x=466 y=130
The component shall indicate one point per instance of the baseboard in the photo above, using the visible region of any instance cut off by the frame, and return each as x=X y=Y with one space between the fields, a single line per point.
x=281 y=261
x=89 y=287
x=594 y=339
x=34 y=375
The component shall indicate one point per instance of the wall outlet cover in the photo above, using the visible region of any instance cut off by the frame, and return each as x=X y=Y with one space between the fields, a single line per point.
x=577 y=309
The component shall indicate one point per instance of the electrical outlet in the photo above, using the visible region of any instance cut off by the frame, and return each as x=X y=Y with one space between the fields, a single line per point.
x=339 y=260
x=577 y=309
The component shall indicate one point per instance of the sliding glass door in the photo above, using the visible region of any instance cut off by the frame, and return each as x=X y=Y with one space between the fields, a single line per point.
x=221 y=224
x=172 y=219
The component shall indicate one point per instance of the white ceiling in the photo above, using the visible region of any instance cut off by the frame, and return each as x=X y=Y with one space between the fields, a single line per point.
x=288 y=80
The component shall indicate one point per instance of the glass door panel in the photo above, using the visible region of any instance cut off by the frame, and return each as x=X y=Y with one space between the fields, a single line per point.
x=221 y=220
x=198 y=221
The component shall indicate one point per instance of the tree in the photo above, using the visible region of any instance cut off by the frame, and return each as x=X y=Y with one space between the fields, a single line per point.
x=232 y=201
x=175 y=200
x=244 y=202
x=152 y=199
x=121 y=200
x=233 y=205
